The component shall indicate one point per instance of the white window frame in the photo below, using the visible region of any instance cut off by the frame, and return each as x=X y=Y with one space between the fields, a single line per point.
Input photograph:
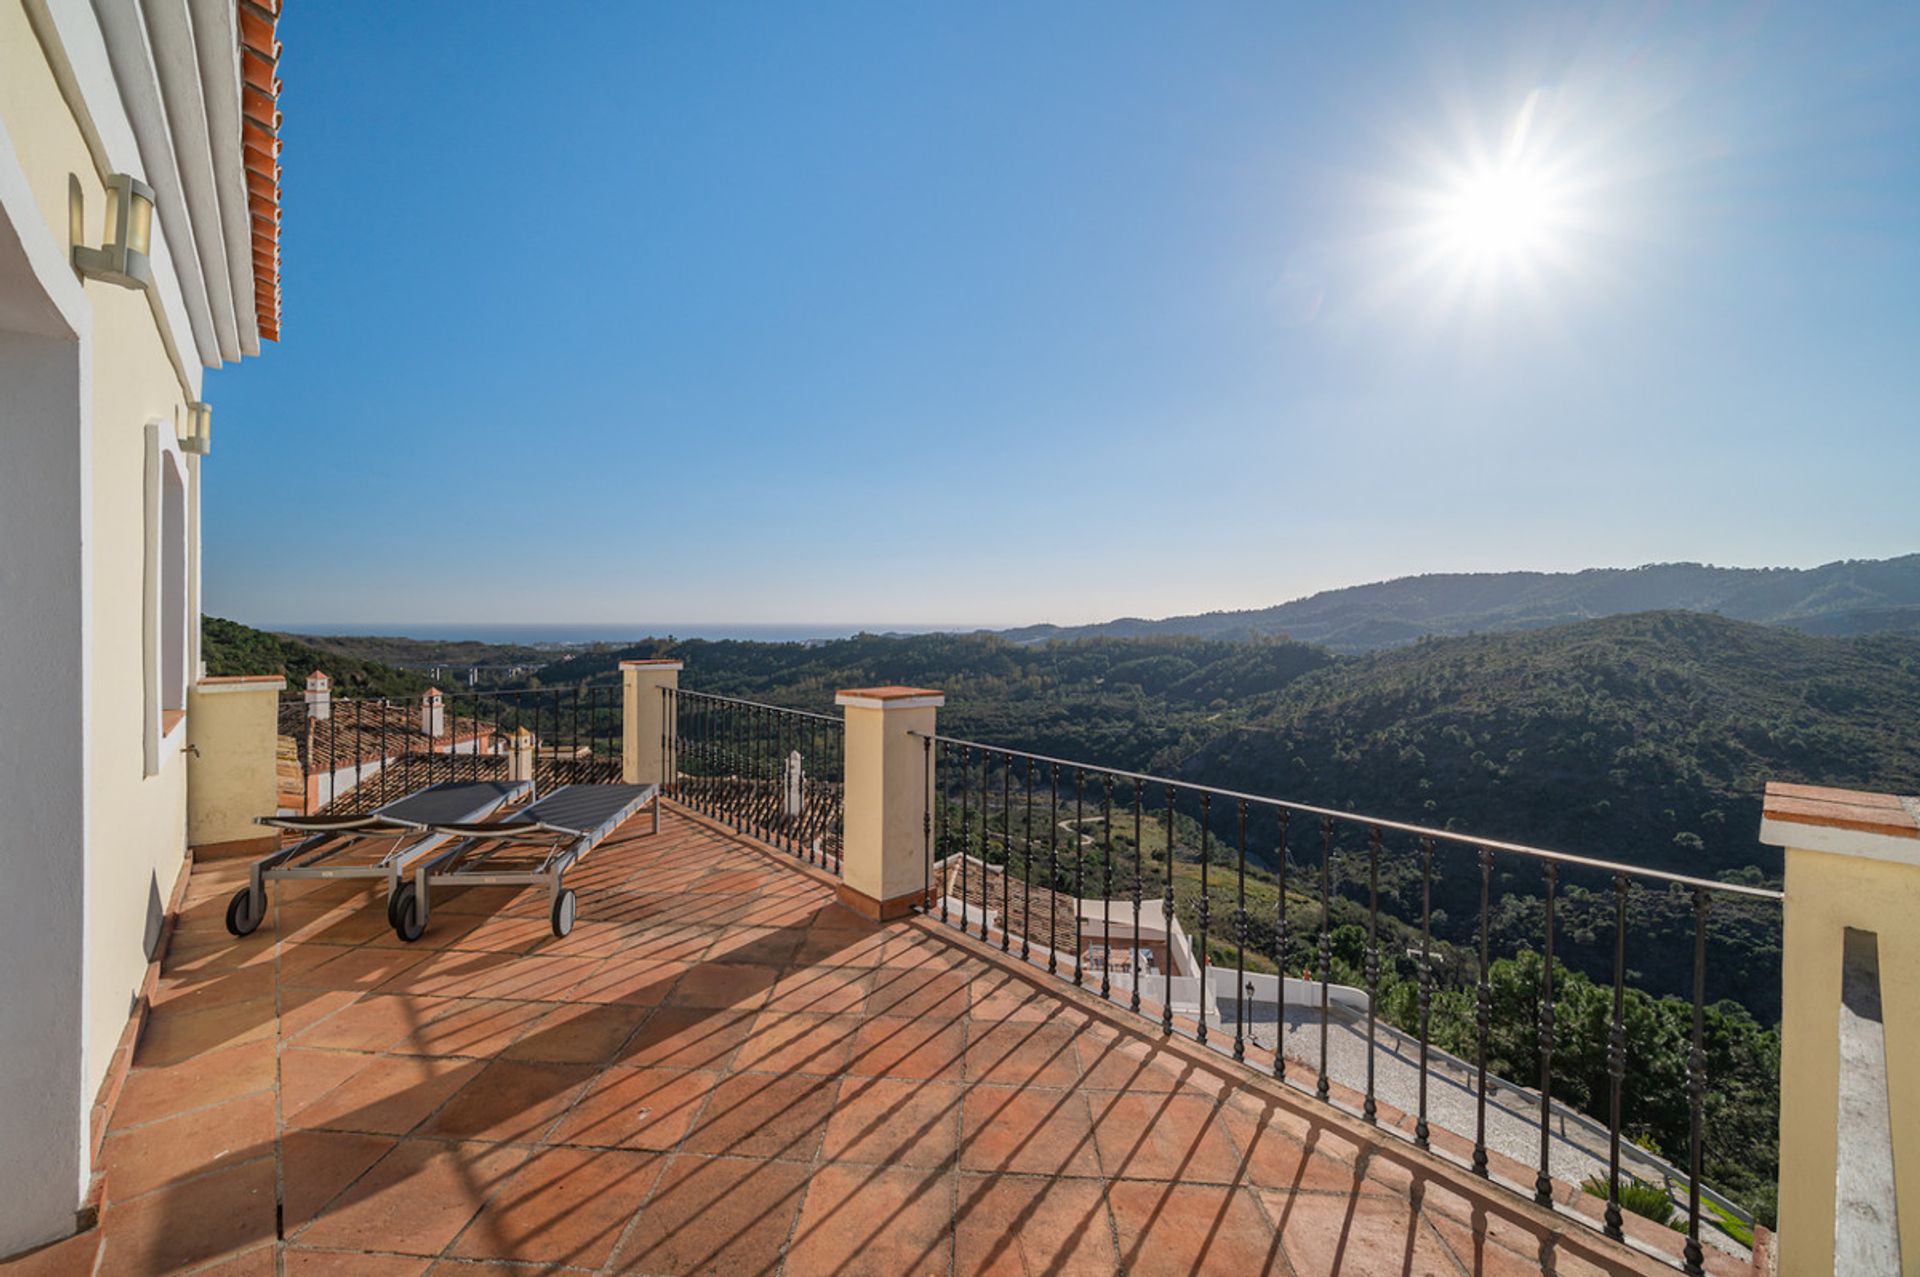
x=167 y=602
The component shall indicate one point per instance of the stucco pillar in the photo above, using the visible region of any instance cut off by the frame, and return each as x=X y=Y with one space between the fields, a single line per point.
x=232 y=762
x=645 y=725
x=1852 y=865
x=883 y=872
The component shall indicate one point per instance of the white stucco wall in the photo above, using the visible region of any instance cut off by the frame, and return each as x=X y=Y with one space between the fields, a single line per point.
x=92 y=844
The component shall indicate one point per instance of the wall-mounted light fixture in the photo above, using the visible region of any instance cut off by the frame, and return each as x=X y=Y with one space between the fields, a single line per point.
x=122 y=255
x=199 y=440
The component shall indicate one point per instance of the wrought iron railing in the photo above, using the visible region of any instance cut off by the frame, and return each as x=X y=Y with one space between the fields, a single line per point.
x=775 y=774
x=1165 y=854
x=351 y=754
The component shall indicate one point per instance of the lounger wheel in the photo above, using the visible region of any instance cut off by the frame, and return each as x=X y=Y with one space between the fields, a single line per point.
x=565 y=905
x=403 y=911
x=241 y=918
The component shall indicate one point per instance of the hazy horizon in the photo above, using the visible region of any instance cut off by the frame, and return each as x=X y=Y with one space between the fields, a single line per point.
x=603 y=631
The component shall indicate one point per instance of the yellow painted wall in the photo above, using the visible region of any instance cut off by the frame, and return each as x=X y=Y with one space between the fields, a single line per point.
x=1826 y=894
x=137 y=824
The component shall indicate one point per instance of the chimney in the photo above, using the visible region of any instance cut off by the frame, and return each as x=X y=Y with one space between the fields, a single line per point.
x=433 y=715
x=319 y=695
x=520 y=752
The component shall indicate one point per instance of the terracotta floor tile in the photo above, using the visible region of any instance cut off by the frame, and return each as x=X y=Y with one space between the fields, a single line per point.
x=174 y=1034
x=1001 y=995
x=906 y=1047
x=920 y=992
x=644 y=1108
x=836 y=948
x=416 y=1199
x=300 y=1262
x=177 y=1148
x=1026 y=1132
x=305 y=1076
x=725 y=1216
x=688 y=1038
x=373 y=1023
x=471 y=1026
x=358 y=969
x=626 y=979
x=825 y=990
x=736 y=985
x=1176 y=1137
x=584 y=1034
x=191 y=1223
x=70 y=1257
x=1021 y=1053
x=564 y=1205
x=1330 y=1235
x=873 y=1221
x=765 y=1115
x=261 y=1261
x=1120 y=1061
x=201 y=992
x=194 y=1083
x=301 y=1009
x=389 y=1095
x=798 y=1043
x=510 y=1100
x=1200 y=1228
x=316 y=1166
x=1013 y=1226
x=890 y=1121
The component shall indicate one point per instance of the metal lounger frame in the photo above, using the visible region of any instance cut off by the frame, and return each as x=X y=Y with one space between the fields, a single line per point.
x=569 y=847
x=411 y=840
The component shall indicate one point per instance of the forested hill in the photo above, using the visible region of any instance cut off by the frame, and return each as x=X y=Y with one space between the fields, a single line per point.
x=1851 y=597
x=1645 y=738
x=229 y=647
x=1132 y=703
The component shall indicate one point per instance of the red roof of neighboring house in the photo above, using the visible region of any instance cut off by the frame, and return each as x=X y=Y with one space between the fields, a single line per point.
x=260 y=138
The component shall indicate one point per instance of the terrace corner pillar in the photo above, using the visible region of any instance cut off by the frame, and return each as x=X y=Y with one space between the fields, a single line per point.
x=645 y=723
x=883 y=872
x=233 y=727
x=1849 y=1030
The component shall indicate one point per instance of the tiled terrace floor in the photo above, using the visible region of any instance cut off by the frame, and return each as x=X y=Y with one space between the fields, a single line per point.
x=721 y=1071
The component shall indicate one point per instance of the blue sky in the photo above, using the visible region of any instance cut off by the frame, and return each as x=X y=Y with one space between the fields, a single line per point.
x=990 y=314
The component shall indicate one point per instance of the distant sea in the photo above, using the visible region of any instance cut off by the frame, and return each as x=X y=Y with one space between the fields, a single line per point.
x=596 y=632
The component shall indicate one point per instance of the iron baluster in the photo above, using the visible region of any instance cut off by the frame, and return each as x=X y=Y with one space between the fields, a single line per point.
x=1206 y=891
x=1482 y=1018
x=1166 y=1005
x=1616 y=1054
x=1106 y=885
x=1240 y=941
x=1026 y=869
x=1421 y=1131
x=926 y=815
x=1543 y=1179
x=1139 y=857
x=1053 y=870
x=1079 y=867
x=1371 y=1107
x=1006 y=849
x=1280 y=938
x=1696 y=1083
x=1323 y=1087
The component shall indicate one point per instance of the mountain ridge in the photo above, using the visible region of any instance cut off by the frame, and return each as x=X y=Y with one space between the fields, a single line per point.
x=1845 y=597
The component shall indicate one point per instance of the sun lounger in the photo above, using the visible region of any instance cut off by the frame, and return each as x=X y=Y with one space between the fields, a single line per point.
x=381 y=843
x=533 y=847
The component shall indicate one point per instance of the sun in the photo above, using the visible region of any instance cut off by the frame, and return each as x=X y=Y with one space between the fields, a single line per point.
x=1501 y=215
x=1501 y=221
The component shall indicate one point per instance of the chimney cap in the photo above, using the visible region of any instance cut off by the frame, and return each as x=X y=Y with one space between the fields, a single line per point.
x=317 y=674
x=433 y=691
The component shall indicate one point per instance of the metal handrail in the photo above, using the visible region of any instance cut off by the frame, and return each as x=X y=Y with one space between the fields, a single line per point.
x=1421 y=831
